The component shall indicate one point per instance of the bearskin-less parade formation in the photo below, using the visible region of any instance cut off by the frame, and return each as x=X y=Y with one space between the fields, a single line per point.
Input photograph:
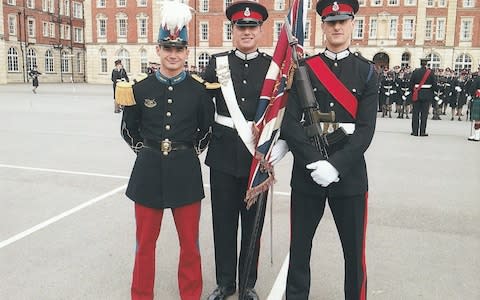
x=172 y=115
x=455 y=94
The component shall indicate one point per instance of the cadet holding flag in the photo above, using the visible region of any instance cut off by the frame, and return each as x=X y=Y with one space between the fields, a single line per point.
x=344 y=86
x=166 y=121
x=241 y=73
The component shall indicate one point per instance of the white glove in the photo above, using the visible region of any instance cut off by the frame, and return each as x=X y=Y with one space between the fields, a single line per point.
x=278 y=151
x=407 y=93
x=387 y=93
x=440 y=102
x=458 y=89
x=404 y=98
x=469 y=98
x=436 y=98
x=323 y=172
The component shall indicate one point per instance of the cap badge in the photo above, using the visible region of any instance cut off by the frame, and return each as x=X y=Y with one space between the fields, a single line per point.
x=335 y=6
x=246 y=12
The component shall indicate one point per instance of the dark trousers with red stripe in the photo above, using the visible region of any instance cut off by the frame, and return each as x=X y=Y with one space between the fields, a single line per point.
x=148 y=222
x=419 y=116
x=228 y=194
x=350 y=215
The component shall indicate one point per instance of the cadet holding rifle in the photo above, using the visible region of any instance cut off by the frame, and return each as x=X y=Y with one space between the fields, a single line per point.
x=328 y=141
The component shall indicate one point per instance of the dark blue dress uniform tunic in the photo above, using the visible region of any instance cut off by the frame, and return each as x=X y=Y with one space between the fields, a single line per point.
x=354 y=72
x=226 y=151
x=177 y=109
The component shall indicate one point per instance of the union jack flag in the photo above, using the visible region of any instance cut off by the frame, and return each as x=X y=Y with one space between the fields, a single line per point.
x=273 y=99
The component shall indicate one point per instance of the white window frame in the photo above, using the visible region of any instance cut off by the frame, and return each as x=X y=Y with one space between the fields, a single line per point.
x=411 y=36
x=430 y=3
x=12 y=24
x=103 y=61
x=122 y=26
x=277 y=28
x=411 y=2
x=358 y=31
x=440 y=35
x=429 y=30
x=468 y=3
x=121 y=3
x=203 y=6
x=49 y=62
x=227 y=31
x=372 y=28
x=31 y=28
x=142 y=23
x=466 y=36
x=203 y=31
x=142 y=3
x=31 y=4
x=395 y=2
x=101 y=3
x=392 y=32
x=376 y=3
x=279 y=5
x=307 y=30
x=78 y=35
x=102 y=30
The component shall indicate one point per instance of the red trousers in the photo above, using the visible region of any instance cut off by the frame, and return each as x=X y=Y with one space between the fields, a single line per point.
x=148 y=222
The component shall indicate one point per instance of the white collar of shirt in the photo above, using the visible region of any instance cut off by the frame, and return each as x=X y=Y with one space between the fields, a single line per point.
x=336 y=56
x=246 y=56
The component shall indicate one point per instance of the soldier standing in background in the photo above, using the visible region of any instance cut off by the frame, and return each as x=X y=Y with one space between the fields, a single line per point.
x=167 y=123
x=242 y=72
x=422 y=84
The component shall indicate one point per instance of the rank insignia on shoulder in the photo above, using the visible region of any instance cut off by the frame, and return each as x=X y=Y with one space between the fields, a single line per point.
x=140 y=77
x=208 y=85
x=124 y=94
x=150 y=103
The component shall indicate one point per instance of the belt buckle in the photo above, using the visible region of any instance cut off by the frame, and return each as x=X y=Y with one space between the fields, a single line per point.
x=166 y=146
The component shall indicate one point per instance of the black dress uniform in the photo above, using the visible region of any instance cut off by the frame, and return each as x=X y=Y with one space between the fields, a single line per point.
x=421 y=106
x=229 y=161
x=166 y=110
x=346 y=198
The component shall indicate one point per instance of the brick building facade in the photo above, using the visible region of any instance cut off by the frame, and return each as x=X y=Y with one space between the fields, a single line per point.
x=389 y=32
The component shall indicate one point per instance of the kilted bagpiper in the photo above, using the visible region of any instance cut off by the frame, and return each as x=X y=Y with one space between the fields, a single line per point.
x=475 y=108
x=166 y=121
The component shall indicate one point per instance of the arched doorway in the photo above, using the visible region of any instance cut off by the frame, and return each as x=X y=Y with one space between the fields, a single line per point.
x=381 y=60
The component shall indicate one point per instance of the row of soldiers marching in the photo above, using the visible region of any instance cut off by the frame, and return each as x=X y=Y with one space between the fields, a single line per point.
x=451 y=91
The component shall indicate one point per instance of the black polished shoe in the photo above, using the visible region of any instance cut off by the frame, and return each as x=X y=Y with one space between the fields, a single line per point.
x=221 y=293
x=414 y=134
x=251 y=294
x=423 y=134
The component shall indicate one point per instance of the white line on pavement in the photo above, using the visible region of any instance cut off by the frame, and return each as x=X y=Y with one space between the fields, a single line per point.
x=278 y=288
x=50 y=221
x=62 y=171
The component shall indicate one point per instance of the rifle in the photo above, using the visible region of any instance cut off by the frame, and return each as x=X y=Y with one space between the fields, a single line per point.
x=318 y=136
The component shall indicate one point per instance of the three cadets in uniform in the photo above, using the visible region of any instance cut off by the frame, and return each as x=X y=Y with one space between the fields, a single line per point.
x=241 y=73
x=340 y=177
x=166 y=121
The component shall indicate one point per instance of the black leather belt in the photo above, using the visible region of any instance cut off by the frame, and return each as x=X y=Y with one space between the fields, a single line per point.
x=166 y=146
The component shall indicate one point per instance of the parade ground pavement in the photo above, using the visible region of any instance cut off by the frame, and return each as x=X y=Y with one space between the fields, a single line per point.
x=67 y=230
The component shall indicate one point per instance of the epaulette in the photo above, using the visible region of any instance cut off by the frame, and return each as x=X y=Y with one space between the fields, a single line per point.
x=208 y=85
x=124 y=93
x=140 y=77
x=222 y=53
x=265 y=55
x=359 y=56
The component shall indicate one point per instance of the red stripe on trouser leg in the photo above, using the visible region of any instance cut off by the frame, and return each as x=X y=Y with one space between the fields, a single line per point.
x=363 y=289
x=148 y=221
x=187 y=220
